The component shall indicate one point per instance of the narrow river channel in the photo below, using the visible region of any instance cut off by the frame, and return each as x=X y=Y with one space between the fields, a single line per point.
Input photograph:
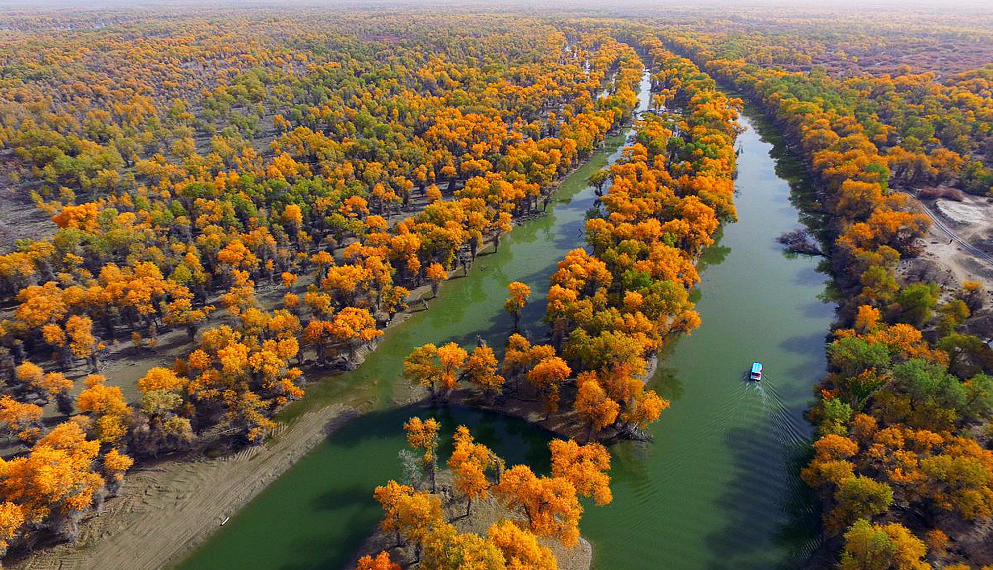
x=717 y=488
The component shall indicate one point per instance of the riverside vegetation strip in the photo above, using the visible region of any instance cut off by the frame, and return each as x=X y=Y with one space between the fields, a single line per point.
x=905 y=411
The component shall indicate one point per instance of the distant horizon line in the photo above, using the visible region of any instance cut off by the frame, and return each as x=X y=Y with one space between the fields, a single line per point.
x=504 y=5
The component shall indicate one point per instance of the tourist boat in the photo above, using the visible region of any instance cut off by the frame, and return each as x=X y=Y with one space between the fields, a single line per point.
x=756 y=372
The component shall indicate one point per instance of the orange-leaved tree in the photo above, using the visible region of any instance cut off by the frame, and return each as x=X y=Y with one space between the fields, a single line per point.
x=380 y=562
x=436 y=368
x=107 y=408
x=520 y=547
x=470 y=462
x=550 y=503
x=21 y=419
x=423 y=435
x=421 y=367
x=451 y=357
x=547 y=377
x=519 y=293
x=481 y=370
x=596 y=409
x=388 y=496
x=584 y=466
x=436 y=273
x=54 y=484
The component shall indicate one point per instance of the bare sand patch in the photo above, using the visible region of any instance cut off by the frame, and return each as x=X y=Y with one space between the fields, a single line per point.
x=956 y=248
x=970 y=211
x=19 y=218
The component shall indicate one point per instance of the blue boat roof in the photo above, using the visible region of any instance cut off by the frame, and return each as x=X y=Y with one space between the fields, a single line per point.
x=756 y=367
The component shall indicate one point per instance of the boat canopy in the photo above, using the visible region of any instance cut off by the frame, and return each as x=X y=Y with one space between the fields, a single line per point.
x=756 y=368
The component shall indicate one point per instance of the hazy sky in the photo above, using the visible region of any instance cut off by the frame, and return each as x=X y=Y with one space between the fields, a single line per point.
x=950 y=5
x=974 y=13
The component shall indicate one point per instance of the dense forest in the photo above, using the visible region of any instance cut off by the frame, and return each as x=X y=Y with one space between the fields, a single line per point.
x=204 y=215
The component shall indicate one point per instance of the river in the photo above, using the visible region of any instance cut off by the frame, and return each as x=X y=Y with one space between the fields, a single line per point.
x=717 y=489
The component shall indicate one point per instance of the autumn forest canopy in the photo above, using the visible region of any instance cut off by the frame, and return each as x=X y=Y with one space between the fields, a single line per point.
x=207 y=214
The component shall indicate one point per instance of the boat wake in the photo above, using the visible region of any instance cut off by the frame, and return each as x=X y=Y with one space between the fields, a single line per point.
x=789 y=427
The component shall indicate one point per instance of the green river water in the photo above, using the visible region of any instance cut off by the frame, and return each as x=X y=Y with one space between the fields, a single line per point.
x=718 y=487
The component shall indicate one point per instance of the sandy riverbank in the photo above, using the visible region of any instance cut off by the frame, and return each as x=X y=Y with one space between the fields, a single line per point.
x=956 y=247
x=166 y=509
